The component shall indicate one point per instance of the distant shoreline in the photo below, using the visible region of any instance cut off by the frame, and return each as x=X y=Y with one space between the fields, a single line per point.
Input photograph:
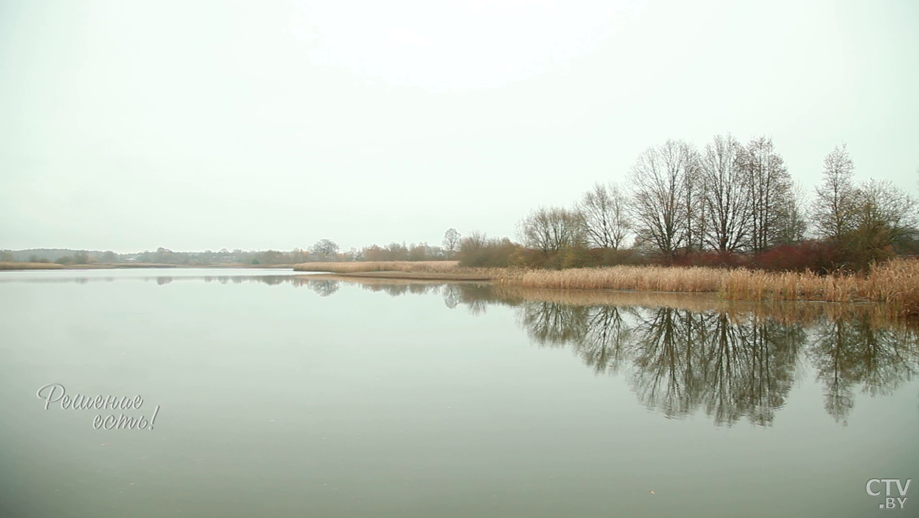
x=896 y=284
x=14 y=265
x=423 y=276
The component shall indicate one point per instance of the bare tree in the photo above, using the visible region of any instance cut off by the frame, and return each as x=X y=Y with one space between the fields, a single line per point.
x=324 y=250
x=726 y=197
x=659 y=196
x=768 y=185
x=605 y=216
x=474 y=240
x=551 y=229
x=694 y=212
x=451 y=242
x=791 y=223
x=884 y=218
x=834 y=206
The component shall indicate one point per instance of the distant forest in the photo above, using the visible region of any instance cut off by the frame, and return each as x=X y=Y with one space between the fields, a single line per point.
x=323 y=250
x=729 y=204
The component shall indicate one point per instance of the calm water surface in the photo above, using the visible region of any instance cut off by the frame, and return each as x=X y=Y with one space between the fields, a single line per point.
x=282 y=395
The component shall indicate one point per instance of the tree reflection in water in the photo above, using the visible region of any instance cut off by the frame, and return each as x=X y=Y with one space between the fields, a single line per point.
x=686 y=360
x=730 y=367
x=729 y=364
x=683 y=358
x=851 y=353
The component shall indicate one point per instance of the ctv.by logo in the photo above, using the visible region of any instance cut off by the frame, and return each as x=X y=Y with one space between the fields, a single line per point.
x=890 y=502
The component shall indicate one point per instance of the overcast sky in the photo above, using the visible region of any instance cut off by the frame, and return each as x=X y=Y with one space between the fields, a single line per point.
x=198 y=125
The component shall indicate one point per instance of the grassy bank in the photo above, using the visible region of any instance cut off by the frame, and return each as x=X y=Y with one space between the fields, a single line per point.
x=15 y=265
x=381 y=266
x=404 y=270
x=895 y=283
x=420 y=276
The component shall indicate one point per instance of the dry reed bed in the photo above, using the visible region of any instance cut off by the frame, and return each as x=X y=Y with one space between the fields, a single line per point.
x=30 y=266
x=449 y=268
x=380 y=266
x=373 y=281
x=895 y=283
x=627 y=278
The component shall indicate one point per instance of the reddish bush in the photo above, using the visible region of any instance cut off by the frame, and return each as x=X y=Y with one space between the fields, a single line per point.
x=815 y=256
x=710 y=259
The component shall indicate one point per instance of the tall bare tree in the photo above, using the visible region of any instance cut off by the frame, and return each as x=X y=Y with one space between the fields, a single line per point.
x=694 y=212
x=604 y=214
x=726 y=198
x=834 y=207
x=659 y=196
x=769 y=185
x=451 y=242
x=791 y=223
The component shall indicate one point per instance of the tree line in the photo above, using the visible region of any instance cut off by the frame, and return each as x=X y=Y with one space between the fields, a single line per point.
x=728 y=204
x=322 y=250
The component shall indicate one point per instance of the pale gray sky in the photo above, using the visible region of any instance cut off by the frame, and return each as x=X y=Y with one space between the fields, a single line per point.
x=192 y=125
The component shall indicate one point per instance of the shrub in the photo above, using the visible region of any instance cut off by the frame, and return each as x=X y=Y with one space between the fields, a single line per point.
x=710 y=259
x=818 y=257
x=478 y=251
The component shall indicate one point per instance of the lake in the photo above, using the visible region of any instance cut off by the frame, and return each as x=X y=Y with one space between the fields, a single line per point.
x=278 y=395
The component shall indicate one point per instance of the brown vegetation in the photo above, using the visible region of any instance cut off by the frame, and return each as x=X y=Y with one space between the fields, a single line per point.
x=627 y=278
x=14 y=265
x=424 y=276
x=378 y=266
x=895 y=283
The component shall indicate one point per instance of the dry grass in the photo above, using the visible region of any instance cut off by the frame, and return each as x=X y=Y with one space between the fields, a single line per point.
x=370 y=281
x=431 y=276
x=30 y=266
x=895 y=283
x=416 y=267
x=629 y=278
x=380 y=266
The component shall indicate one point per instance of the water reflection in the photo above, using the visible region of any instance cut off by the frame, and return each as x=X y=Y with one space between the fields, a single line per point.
x=272 y=280
x=681 y=361
x=680 y=354
x=324 y=288
x=685 y=361
x=687 y=355
x=852 y=354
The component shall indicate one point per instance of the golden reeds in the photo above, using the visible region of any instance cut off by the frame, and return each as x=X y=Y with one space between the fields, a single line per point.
x=29 y=266
x=895 y=283
x=379 y=266
x=631 y=278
